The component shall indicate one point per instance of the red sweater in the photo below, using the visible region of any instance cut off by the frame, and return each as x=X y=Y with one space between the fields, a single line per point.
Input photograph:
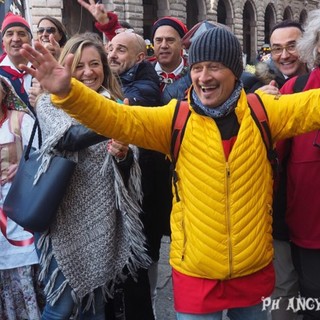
x=303 y=180
x=109 y=29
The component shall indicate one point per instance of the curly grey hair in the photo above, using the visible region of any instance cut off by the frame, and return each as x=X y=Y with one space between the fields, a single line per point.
x=309 y=44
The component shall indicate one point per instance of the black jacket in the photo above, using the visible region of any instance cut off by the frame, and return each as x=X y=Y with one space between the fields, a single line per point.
x=141 y=86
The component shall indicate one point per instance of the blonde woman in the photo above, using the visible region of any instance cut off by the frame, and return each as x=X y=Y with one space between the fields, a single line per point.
x=97 y=232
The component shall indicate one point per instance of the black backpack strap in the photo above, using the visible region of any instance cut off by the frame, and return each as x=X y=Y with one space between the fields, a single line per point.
x=179 y=121
x=300 y=82
x=259 y=115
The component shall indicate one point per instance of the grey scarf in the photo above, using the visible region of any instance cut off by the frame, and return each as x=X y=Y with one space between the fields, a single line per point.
x=220 y=111
x=97 y=231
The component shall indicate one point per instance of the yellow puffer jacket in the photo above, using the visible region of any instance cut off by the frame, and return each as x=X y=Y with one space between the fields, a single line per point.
x=221 y=228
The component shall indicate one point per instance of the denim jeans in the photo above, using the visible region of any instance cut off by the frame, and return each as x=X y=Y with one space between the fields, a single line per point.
x=64 y=306
x=248 y=313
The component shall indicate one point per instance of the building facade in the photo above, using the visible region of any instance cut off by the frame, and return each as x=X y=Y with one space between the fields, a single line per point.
x=250 y=20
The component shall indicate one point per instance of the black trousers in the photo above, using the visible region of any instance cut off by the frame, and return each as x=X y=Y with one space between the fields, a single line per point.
x=307 y=265
x=132 y=300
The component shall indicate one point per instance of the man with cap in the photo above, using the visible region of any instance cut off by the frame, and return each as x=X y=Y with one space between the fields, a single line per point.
x=178 y=89
x=15 y=31
x=221 y=249
x=167 y=33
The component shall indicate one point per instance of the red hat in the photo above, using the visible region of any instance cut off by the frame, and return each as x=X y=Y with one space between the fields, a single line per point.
x=172 y=22
x=13 y=20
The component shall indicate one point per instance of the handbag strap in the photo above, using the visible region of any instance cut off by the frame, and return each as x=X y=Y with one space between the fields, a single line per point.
x=3 y=228
x=30 y=142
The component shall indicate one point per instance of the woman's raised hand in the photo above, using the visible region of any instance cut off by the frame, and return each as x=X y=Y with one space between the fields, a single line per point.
x=52 y=76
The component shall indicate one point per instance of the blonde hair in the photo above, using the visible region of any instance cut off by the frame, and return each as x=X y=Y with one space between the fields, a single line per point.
x=76 y=44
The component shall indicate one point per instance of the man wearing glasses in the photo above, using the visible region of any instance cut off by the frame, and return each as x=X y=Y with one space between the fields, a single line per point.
x=283 y=41
x=284 y=55
x=303 y=178
x=283 y=65
x=15 y=31
x=284 y=62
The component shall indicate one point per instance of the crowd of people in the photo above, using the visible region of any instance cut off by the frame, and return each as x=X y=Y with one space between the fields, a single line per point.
x=240 y=233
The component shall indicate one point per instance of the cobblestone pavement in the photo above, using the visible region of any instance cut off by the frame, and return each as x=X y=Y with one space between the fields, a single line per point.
x=164 y=305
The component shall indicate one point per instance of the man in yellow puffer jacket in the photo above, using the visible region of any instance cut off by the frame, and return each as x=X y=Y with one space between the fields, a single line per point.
x=221 y=251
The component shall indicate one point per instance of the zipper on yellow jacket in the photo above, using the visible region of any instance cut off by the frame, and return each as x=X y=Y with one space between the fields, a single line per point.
x=228 y=216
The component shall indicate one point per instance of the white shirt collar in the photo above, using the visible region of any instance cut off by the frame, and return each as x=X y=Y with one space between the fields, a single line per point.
x=176 y=72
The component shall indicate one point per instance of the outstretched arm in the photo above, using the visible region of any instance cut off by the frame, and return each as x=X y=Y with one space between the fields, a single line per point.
x=106 y=21
x=52 y=76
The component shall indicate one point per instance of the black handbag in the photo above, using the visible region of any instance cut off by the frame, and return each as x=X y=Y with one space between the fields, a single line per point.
x=34 y=205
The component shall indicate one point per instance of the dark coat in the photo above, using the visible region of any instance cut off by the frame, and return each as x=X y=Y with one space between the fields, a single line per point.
x=177 y=90
x=141 y=86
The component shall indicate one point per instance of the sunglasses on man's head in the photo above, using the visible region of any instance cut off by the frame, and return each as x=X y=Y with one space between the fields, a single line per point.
x=47 y=30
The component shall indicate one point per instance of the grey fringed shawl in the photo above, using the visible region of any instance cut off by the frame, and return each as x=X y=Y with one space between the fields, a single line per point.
x=97 y=231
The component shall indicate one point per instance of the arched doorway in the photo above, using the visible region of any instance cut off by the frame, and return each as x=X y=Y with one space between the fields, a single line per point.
x=224 y=13
x=77 y=19
x=269 y=22
x=150 y=8
x=192 y=13
x=249 y=33
x=303 y=16
x=287 y=15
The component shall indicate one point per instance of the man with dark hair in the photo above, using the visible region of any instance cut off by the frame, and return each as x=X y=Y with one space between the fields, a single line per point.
x=285 y=63
x=302 y=170
x=283 y=41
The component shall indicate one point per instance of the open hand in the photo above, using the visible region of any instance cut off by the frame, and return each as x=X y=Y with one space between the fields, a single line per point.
x=96 y=9
x=52 y=76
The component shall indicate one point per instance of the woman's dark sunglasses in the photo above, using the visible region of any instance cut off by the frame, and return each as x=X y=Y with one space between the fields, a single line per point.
x=47 y=30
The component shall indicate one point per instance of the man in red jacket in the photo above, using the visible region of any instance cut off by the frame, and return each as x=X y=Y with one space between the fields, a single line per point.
x=303 y=180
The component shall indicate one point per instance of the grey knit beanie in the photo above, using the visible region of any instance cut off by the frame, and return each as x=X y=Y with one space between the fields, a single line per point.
x=219 y=45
